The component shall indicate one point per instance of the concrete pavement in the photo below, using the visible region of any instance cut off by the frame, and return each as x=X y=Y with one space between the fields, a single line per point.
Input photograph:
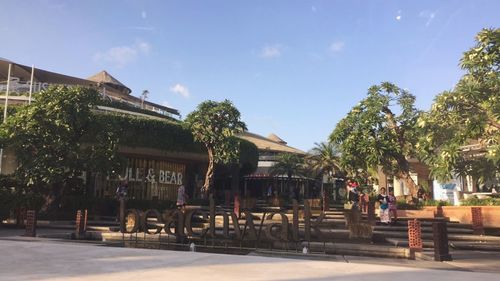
x=36 y=259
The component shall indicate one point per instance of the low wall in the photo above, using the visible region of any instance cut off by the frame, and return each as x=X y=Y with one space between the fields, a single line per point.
x=425 y=213
x=463 y=214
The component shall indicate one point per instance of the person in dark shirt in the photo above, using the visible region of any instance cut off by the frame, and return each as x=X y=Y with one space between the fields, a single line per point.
x=353 y=196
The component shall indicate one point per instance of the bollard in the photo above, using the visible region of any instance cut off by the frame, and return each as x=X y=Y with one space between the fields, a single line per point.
x=414 y=237
x=477 y=220
x=440 y=235
x=30 y=223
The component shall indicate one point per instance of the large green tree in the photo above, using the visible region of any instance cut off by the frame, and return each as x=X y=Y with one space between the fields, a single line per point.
x=55 y=139
x=461 y=132
x=380 y=131
x=214 y=124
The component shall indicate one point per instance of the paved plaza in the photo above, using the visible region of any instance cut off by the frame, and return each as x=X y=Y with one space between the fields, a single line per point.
x=41 y=259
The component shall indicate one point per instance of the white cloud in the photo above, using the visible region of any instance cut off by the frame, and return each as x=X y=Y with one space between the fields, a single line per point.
x=144 y=15
x=181 y=90
x=122 y=55
x=336 y=47
x=398 y=17
x=270 y=52
x=428 y=15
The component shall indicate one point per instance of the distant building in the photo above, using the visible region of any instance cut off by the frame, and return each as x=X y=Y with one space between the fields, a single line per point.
x=106 y=84
x=151 y=173
x=257 y=183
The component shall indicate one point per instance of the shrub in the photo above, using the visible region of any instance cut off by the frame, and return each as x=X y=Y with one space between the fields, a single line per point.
x=432 y=202
x=474 y=201
x=403 y=205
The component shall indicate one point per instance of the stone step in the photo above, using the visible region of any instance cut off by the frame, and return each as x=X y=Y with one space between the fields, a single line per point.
x=404 y=242
x=459 y=245
x=426 y=229
x=478 y=246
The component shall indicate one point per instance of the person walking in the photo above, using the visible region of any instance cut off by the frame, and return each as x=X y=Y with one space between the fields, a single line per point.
x=383 y=199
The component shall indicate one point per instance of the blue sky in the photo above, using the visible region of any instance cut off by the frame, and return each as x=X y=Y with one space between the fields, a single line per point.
x=293 y=68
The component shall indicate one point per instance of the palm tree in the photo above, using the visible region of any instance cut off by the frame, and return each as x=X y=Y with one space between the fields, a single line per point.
x=288 y=164
x=325 y=158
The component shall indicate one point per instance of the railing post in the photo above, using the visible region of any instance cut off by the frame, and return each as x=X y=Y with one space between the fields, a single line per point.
x=440 y=235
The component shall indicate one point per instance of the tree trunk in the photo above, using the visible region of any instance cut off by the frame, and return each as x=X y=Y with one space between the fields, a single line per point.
x=209 y=176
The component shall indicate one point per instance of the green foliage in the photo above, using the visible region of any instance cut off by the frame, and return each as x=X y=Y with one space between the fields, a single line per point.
x=214 y=124
x=249 y=157
x=379 y=131
x=401 y=204
x=11 y=109
x=474 y=201
x=47 y=137
x=136 y=131
x=435 y=203
x=13 y=195
x=468 y=114
x=288 y=164
x=325 y=159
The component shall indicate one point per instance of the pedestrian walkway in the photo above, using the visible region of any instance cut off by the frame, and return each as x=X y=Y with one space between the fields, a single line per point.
x=39 y=259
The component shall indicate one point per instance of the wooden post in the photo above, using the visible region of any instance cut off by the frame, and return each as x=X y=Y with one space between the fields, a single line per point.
x=440 y=235
x=307 y=221
x=122 y=215
x=295 y=226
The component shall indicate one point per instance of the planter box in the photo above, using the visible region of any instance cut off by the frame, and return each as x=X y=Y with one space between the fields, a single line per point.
x=425 y=213
x=463 y=214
